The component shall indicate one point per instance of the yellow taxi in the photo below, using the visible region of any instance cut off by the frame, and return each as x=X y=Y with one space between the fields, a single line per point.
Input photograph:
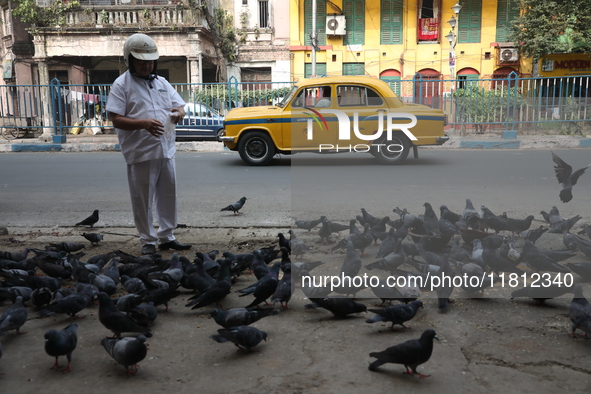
x=334 y=114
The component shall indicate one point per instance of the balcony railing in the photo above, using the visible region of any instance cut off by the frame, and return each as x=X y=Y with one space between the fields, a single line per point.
x=121 y=16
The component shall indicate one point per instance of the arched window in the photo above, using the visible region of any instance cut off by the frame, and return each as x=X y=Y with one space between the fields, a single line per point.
x=392 y=78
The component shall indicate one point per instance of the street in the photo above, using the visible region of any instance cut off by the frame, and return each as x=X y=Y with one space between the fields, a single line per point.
x=59 y=189
x=493 y=344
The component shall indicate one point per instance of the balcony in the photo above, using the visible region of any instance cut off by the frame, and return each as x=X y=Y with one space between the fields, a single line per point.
x=121 y=14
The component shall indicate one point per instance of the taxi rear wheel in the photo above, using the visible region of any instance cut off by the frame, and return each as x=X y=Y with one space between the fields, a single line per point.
x=392 y=151
x=256 y=148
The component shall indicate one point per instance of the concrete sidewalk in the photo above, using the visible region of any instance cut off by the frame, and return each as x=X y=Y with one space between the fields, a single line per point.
x=108 y=142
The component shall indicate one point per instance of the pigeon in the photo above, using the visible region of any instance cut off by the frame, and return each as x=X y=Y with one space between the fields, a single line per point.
x=553 y=217
x=581 y=269
x=397 y=314
x=117 y=321
x=265 y=287
x=390 y=293
x=535 y=234
x=91 y=220
x=61 y=343
x=339 y=307
x=540 y=293
x=352 y=262
x=284 y=289
x=13 y=317
x=244 y=337
x=240 y=316
x=235 y=207
x=298 y=246
x=217 y=291
x=94 y=238
x=145 y=313
x=390 y=262
x=579 y=312
x=539 y=261
x=308 y=224
x=325 y=231
x=411 y=354
x=444 y=289
x=128 y=351
x=565 y=225
x=71 y=305
x=566 y=177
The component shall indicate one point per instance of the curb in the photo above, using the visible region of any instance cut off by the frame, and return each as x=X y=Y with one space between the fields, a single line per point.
x=110 y=143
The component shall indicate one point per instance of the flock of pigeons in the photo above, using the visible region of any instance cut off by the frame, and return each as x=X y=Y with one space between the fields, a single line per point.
x=130 y=290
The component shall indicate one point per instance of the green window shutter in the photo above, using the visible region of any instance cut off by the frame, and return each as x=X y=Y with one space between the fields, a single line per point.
x=470 y=18
x=507 y=13
x=394 y=83
x=320 y=21
x=320 y=69
x=391 y=22
x=353 y=68
x=355 y=13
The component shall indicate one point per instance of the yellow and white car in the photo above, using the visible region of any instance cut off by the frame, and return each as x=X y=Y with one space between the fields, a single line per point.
x=334 y=114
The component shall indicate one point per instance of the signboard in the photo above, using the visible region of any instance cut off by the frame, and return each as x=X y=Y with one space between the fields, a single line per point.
x=565 y=65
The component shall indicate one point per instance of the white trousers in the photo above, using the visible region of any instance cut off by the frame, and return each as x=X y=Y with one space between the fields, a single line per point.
x=152 y=183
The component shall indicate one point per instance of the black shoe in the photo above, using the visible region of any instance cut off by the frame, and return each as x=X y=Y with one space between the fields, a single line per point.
x=174 y=244
x=148 y=249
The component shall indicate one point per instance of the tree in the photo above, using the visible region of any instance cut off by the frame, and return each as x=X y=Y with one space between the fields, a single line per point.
x=552 y=26
x=223 y=35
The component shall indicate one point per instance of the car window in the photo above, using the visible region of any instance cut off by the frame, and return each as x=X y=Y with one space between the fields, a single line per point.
x=351 y=95
x=316 y=96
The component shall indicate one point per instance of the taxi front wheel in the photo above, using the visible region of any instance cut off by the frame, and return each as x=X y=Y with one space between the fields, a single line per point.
x=392 y=151
x=256 y=148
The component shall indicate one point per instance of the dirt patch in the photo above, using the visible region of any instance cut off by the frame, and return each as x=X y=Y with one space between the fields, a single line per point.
x=492 y=344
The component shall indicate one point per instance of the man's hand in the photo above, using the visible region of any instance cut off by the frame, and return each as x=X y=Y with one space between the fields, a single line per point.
x=180 y=114
x=154 y=127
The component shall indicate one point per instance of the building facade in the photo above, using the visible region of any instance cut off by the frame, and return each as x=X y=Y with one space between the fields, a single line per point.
x=399 y=39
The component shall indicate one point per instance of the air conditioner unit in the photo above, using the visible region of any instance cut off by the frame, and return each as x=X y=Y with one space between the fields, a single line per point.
x=509 y=55
x=335 y=25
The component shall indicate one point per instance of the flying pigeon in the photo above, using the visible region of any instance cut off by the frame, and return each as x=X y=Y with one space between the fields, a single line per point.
x=566 y=177
x=411 y=354
x=91 y=220
x=128 y=351
x=61 y=343
x=244 y=337
x=235 y=207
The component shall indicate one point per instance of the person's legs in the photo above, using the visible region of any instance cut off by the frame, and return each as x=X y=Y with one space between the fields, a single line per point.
x=165 y=201
x=140 y=176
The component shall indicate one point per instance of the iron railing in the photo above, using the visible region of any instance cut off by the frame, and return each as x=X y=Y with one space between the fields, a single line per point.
x=478 y=105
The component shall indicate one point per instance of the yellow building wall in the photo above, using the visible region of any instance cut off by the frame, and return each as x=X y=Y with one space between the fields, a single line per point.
x=407 y=58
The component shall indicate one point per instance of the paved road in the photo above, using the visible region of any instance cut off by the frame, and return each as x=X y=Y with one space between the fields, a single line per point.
x=49 y=189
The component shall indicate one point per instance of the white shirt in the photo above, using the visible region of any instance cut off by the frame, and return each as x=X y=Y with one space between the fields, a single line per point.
x=133 y=98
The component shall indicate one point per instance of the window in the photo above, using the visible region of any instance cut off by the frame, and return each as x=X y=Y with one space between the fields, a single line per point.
x=467 y=80
x=320 y=70
x=7 y=16
x=244 y=2
x=393 y=82
x=469 y=21
x=320 y=21
x=355 y=13
x=428 y=22
x=349 y=96
x=391 y=22
x=263 y=13
x=353 y=68
x=317 y=96
x=507 y=13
